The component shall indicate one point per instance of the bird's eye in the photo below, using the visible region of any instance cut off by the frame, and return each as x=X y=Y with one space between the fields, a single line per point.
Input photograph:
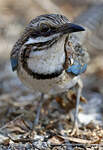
x=44 y=27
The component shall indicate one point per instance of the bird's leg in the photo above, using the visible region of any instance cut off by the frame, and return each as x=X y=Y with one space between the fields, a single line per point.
x=36 y=121
x=79 y=91
x=74 y=82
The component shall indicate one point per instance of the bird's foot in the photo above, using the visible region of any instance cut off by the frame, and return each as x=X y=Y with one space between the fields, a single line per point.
x=75 y=130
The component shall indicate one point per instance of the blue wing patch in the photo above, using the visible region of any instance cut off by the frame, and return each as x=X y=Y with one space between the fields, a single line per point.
x=14 y=63
x=77 y=68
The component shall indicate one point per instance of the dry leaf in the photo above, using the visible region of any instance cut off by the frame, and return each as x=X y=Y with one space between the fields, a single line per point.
x=4 y=140
x=56 y=140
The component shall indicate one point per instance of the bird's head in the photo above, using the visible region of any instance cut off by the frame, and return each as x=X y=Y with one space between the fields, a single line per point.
x=42 y=32
x=51 y=26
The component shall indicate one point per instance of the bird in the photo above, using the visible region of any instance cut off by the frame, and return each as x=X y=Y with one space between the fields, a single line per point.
x=45 y=60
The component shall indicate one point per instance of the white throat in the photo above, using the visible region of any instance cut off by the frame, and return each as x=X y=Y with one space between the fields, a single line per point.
x=48 y=61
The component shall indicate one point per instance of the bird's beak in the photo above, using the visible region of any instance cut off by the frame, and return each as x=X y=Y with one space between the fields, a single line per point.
x=70 y=28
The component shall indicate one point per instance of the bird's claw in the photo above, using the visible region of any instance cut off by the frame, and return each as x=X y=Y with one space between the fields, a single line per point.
x=75 y=130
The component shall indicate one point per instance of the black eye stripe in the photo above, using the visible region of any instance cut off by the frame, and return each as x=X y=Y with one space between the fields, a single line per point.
x=43 y=30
